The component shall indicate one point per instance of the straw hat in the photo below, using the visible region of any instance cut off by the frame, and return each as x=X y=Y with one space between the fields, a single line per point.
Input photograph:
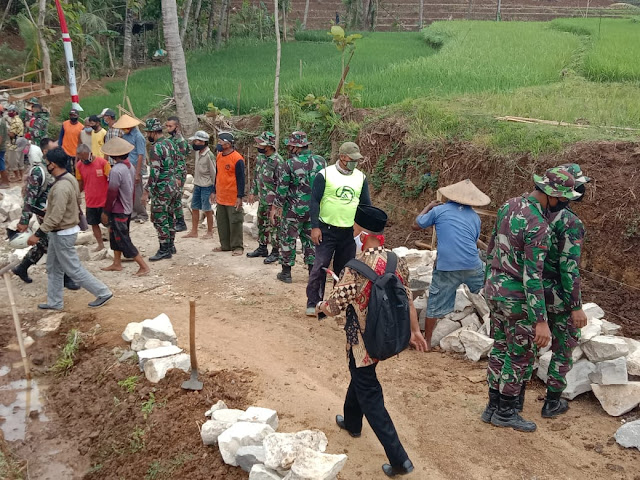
x=116 y=147
x=465 y=193
x=126 y=121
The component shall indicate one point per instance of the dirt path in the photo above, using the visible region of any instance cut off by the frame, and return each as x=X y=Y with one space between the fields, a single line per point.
x=247 y=319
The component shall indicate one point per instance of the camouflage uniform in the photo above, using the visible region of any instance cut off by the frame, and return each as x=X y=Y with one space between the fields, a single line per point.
x=162 y=185
x=264 y=187
x=181 y=146
x=295 y=179
x=38 y=130
x=37 y=188
x=14 y=158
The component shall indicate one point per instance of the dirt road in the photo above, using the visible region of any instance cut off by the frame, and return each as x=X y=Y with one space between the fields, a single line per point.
x=247 y=319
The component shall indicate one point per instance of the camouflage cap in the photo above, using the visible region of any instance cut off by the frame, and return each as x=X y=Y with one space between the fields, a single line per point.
x=12 y=108
x=33 y=100
x=557 y=182
x=152 y=125
x=575 y=170
x=297 y=139
x=266 y=139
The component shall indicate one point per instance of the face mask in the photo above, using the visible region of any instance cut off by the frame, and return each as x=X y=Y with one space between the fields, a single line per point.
x=198 y=147
x=97 y=127
x=151 y=139
x=11 y=114
x=359 y=244
x=559 y=206
x=73 y=120
x=580 y=189
x=88 y=160
x=351 y=165
x=50 y=168
x=219 y=148
x=88 y=129
x=262 y=150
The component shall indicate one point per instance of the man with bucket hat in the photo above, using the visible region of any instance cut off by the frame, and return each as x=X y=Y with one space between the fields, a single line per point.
x=458 y=228
x=515 y=294
x=268 y=162
x=137 y=157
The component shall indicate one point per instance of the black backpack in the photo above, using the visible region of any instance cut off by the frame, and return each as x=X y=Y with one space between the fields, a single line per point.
x=388 y=328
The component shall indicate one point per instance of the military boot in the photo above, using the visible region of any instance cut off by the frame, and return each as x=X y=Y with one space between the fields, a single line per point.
x=181 y=226
x=173 y=247
x=261 y=251
x=273 y=256
x=162 y=253
x=285 y=274
x=554 y=405
x=21 y=270
x=492 y=406
x=520 y=404
x=507 y=416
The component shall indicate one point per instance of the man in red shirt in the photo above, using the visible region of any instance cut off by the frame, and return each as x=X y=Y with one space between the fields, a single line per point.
x=92 y=174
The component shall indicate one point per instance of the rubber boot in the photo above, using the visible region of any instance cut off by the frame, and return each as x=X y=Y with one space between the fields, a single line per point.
x=273 y=256
x=21 y=270
x=507 y=416
x=520 y=404
x=554 y=405
x=181 y=226
x=261 y=251
x=70 y=284
x=285 y=274
x=492 y=406
x=162 y=253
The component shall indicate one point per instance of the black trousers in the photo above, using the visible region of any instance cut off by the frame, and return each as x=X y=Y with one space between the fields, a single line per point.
x=364 y=397
x=337 y=243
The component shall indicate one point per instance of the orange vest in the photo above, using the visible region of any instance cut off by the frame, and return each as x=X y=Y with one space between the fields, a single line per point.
x=71 y=137
x=226 y=187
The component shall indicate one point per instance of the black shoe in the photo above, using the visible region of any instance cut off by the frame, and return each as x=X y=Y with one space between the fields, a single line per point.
x=261 y=251
x=45 y=306
x=520 y=404
x=70 y=284
x=100 y=301
x=181 y=226
x=273 y=256
x=554 y=405
x=492 y=406
x=21 y=270
x=162 y=253
x=406 y=467
x=285 y=274
x=341 y=424
x=507 y=416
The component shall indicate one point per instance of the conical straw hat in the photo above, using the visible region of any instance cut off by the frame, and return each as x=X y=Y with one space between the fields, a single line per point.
x=465 y=193
x=126 y=121
x=116 y=147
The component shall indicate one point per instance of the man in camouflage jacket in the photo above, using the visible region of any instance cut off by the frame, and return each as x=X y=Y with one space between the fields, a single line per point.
x=293 y=196
x=162 y=187
x=264 y=187
x=182 y=148
x=39 y=124
x=514 y=292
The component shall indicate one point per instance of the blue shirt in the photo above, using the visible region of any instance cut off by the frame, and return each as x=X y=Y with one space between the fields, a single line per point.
x=458 y=230
x=135 y=138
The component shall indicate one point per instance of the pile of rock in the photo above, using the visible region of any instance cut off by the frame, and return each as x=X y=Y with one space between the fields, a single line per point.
x=10 y=204
x=248 y=439
x=155 y=342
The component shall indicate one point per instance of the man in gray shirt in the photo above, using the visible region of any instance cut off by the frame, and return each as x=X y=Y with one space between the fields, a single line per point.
x=137 y=158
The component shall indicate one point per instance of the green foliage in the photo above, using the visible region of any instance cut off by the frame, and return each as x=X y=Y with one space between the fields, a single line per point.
x=68 y=353
x=136 y=440
x=129 y=384
x=410 y=175
x=633 y=227
x=11 y=61
x=341 y=40
x=252 y=21
x=312 y=36
x=165 y=469
x=211 y=108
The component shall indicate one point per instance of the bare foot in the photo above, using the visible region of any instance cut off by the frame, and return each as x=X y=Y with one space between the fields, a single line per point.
x=98 y=248
x=191 y=235
x=237 y=252
x=219 y=249
x=112 y=268
x=142 y=272
x=207 y=236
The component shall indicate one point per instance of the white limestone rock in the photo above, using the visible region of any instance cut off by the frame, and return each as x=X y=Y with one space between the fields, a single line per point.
x=543 y=366
x=138 y=343
x=160 y=328
x=414 y=257
x=241 y=434
x=189 y=179
x=48 y=324
x=212 y=429
x=145 y=355
x=478 y=301
x=592 y=310
x=476 y=345
x=462 y=301
x=229 y=415
x=220 y=405
x=249 y=218
x=577 y=353
x=260 y=415
x=155 y=343
x=591 y=330
x=472 y=321
x=459 y=316
x=443 y=328
x=628 y=435
x=610 y=372
x=247 y=457
x=610 y=328
x=261 y=472
x=618 y=399
x=282 y=449
x=313 y=465
x=133 y=328
x=634 y=345
x=83 y=253
x=452 y=342
x=602 y=347
x=578 y=379
x=156 y=369
x=420 y=303
x=633 y=363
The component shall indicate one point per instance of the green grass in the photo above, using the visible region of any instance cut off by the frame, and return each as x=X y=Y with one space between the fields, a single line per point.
x=68 y=353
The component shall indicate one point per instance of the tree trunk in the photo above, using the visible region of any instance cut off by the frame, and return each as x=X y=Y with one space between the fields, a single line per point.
x=223 y=9
x=421 y=13
x=197 y=36
x=284 y=21
x=4 y=15
x=276 y=84
x=46 y=59
x=212 y=20
x=498 y=11
x=306 y=15
x=470 y=10
x=128 y=37
x=181 y=93
x=185 y=23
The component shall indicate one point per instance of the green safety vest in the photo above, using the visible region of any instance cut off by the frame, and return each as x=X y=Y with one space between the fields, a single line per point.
x=341 y=197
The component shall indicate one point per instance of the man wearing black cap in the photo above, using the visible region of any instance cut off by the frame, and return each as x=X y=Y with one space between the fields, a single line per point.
x=352 y=292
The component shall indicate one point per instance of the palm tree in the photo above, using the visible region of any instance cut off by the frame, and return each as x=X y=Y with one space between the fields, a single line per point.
x=181 y=92
x=276 y=85
x=128 y=34
x=185 y=23
x=46 y=59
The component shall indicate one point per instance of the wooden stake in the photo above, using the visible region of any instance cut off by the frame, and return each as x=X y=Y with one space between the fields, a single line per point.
x=16 y=322
x=434 y=237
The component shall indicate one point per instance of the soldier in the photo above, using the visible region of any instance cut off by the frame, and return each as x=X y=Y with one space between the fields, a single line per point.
x=264 y=187
x=293 y=196
x=514 y=292
x=39 y=124
x=182 y=148
x=4 y=141
x=162 y=187
x=561 y=281
x=15 y=156
x=27 y=112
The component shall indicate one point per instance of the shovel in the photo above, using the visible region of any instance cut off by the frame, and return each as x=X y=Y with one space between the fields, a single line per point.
x=193 y=383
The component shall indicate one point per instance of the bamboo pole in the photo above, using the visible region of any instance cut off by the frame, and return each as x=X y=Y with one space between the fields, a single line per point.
x=434 y=237
x=16 y=322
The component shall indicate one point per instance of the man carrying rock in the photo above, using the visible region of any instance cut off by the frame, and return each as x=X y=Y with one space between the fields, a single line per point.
x=60 y=224
x=515 y=261
x=293 y=196
x=137 y=158
x=15 y=155
x=268 y=162
x=162 y=187
x=351 y=294
x=458 y=230
x=337 y=192
x=182 y=149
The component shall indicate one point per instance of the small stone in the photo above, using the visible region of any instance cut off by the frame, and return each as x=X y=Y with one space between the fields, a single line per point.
x=592 y=310
x=633 y=363
x=48 y=324
x=85 y=238
x=260 y=415
x=610 y=328
x=146 y=355
x=628 y=435
x=126 y=355
x=132 y=329
x=220 y=405
x=160 y=328
x=155 y=369
x=601 y=348
x=610 y=372
x=260 y=472
x=229 y=415
x=282 y=449
x=313 y=465
x=618 y=399
x=443 y=328
x=241 y=434
x=247 y=457
x=138 y=343
x=476 y=345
